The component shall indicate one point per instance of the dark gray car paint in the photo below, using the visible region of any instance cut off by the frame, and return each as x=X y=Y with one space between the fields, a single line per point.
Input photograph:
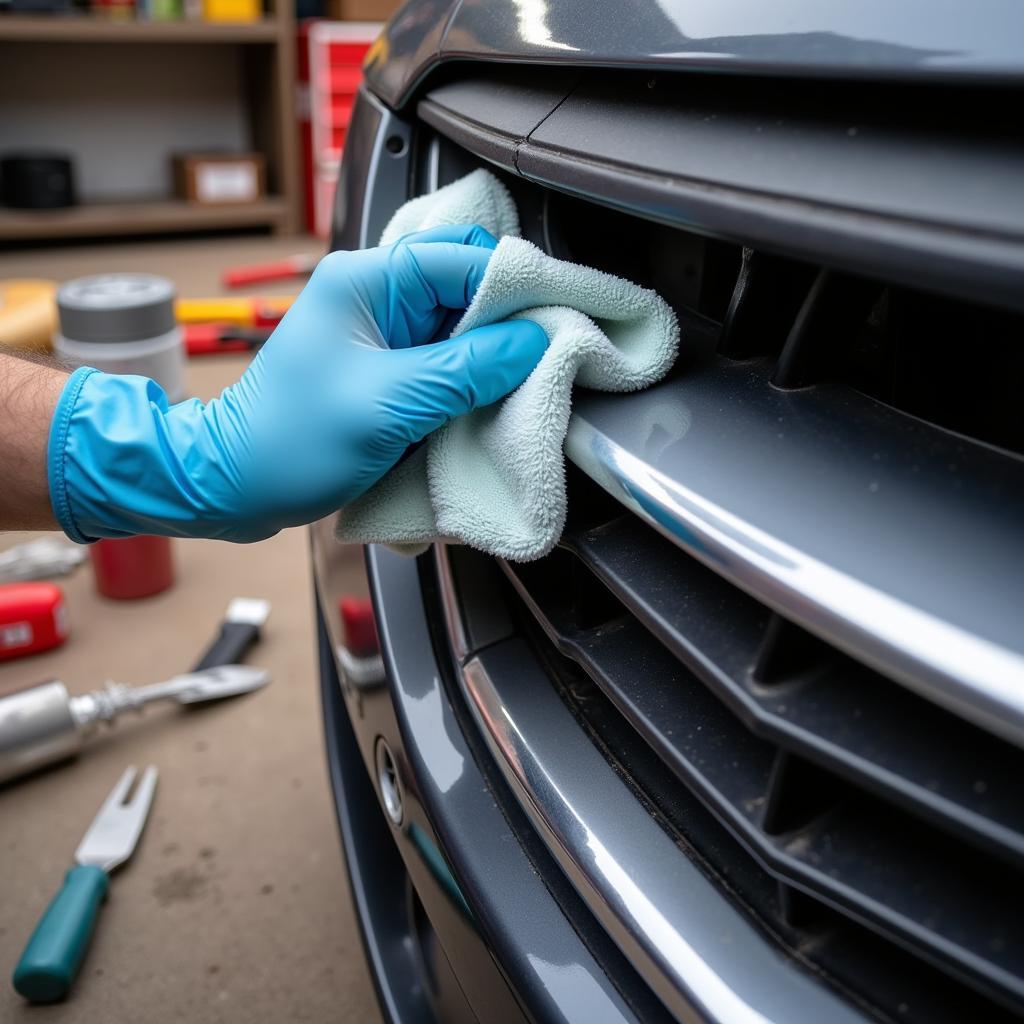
x=407 y=48
x=878 y=197
x=374 y=178
x=372 y=860
x=444 y=789
x=927 y=40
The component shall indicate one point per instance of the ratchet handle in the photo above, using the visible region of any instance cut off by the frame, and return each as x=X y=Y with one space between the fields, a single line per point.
x=52 y=957
x=234 y=639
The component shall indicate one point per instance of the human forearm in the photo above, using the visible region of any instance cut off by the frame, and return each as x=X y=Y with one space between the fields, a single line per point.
x=361 y=368
x=29 y=390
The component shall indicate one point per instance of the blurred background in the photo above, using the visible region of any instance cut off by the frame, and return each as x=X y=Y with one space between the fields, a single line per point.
x=197 y=141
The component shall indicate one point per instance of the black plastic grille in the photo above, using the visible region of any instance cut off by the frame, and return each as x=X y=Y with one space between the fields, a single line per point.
x=957 y=365
x=833 y=780
x=853 y=792
x=867 y=806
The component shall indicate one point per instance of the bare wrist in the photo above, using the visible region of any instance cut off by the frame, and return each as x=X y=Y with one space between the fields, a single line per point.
x=30 y=387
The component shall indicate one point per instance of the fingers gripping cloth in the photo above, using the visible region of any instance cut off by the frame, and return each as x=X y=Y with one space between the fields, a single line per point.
x=495 y=478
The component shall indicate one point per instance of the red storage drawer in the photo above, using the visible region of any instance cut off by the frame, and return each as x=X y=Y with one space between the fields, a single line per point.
x=336 y=52
x=340 y=111
x=348 y=52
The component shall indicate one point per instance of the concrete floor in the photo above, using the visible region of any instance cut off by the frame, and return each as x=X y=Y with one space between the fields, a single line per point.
x=235 y=906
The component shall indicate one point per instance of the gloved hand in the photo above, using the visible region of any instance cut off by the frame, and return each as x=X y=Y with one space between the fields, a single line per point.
x=359 y=369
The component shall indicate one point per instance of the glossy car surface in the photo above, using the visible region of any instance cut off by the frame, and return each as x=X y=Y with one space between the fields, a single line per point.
x=746 y=746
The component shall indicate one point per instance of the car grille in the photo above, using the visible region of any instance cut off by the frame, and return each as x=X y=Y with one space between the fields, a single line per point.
x=872 y=825
x=849 y=801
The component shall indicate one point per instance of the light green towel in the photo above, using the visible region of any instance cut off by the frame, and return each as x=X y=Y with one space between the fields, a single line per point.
x=495 y=478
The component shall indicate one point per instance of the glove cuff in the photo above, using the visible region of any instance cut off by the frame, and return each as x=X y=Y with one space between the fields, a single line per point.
x=122 y=462
x=56 y=453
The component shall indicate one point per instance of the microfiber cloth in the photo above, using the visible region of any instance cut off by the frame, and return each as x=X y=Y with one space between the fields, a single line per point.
x=495 y=478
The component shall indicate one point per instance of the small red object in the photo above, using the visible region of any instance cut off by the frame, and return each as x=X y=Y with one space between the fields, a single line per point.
x=211 y=339
x=268 y=312
x=360 y=626
x=33 y=618
x=260 y=273
x=133 y=567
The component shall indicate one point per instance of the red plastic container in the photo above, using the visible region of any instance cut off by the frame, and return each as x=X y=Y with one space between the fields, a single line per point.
x=131 y=568
x=33 y=618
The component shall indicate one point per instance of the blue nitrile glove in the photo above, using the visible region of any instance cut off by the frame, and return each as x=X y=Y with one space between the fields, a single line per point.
x=341 y=389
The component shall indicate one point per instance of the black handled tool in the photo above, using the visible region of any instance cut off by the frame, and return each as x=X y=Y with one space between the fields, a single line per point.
x=238 y=632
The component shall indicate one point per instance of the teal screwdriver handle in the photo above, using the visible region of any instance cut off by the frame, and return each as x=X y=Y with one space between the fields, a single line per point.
x=51 y=959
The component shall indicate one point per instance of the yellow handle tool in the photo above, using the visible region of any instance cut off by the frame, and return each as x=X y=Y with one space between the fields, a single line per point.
x=239 y=312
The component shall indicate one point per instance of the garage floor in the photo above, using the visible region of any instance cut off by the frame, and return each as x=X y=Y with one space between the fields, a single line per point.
x=234 y=908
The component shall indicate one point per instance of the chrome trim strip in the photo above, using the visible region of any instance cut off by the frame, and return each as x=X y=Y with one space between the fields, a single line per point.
x=890 y=543
x=697 y=952
x=450 y=604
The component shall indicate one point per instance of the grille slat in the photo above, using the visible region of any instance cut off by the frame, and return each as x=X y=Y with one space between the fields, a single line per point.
x=677 y=715
x=897 y=541
x=769 y=293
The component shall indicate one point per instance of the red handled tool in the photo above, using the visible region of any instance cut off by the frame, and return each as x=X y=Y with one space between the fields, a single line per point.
x=260 y=273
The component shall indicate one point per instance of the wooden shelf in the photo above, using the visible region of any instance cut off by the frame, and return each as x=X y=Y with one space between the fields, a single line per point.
x=139 y=217
x=263 y=52
x=86 y=29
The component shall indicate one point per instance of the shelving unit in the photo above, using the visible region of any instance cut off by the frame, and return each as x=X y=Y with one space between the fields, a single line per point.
x=139 y=217
x=86 y=29
x=264 y=52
